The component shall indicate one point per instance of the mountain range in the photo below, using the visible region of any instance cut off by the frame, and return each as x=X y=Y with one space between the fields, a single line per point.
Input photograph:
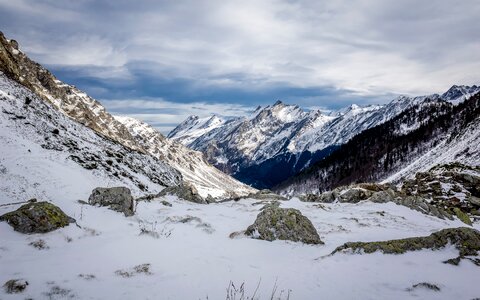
x=276 y=142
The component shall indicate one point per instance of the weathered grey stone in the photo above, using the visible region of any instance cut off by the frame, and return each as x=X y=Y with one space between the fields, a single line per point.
x=474 y=200
x=38 y=217
x=381 y=197
x=275 y=223
x=355 y=195
x=116 y=198
x=183 y=191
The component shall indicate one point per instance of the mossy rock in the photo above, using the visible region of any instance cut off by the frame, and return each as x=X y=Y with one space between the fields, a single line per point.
x=466 y=240
x=39 y=217
x=462 y=216
x=275 y=223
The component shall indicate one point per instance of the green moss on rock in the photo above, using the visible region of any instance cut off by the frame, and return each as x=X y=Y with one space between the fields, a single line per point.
x=466 y=240
x=462 y=216
x=39 y=217
x=275 y=223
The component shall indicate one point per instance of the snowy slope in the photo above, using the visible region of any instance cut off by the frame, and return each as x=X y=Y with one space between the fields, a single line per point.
x=196 y=259
x=207 y=179
x=85 y=110
x=464 y=148
x=42 y=149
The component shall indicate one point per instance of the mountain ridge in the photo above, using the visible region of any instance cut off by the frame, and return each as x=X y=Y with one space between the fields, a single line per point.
x=283 y=139
x=85 y=110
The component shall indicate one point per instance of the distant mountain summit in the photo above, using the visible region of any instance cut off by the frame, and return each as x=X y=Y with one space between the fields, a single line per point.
x=280 y=140
x=424 y=135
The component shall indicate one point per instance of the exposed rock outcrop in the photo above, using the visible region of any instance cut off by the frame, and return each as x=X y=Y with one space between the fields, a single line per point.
x=116 y=198
x=38 y=217
x=445 y=191
x=466 y=240
x=183 y=191
x=275 y=223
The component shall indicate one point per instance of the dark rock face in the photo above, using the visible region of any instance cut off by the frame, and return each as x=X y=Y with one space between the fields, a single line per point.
x=466 y=240
x=275 y=223
x=116 y=198
x=39 y=217
x=183 y=191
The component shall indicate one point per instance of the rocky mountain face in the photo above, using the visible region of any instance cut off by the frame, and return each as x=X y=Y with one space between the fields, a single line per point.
x=415 y=140
x=34 y=130
x=278 y=141
x=134 y=135
x=66 y=98
x=207 y=179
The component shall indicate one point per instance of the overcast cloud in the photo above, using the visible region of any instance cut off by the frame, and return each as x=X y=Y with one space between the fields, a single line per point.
x=230 y=56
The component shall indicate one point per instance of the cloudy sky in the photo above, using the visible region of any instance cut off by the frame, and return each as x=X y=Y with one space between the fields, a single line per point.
x=163 y=60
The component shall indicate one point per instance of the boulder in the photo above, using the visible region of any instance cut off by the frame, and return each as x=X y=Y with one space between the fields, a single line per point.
x=275 y=223
x=183 y=191
x=116 y=198
x=354 y=195
x=37 y=217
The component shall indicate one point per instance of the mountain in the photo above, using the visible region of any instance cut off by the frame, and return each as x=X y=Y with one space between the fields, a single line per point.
x=85 y=110
x=207 y=179
x=43 y=149
x=458 y=93
x=278 y=141
x=415 y=140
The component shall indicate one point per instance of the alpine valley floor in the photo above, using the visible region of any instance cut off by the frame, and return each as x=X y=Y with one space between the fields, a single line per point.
x=192 y=255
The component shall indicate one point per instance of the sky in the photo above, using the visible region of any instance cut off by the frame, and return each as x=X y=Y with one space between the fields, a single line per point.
x=161 y=61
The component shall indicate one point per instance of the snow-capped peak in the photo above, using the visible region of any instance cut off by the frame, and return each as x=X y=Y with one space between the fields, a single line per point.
x=458 y=93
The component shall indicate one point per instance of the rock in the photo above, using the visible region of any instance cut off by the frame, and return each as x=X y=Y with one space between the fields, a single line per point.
x=425 y=285
x=462 y=216
x=275 y=223
x=166 y=203
x=37 y=217
x=265 y=195
x=14 y=286
x=381 y=197
x=116 y=198
x=466 y=240
x=475 y=201
x=354 y=195
x=327 y=197
x=210 y=199
x=183 y=191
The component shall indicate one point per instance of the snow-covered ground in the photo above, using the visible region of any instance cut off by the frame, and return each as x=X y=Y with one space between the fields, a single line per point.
x=191 y=255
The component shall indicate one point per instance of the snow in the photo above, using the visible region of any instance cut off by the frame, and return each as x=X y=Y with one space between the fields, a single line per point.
x=197 y=259
x=283 y=129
